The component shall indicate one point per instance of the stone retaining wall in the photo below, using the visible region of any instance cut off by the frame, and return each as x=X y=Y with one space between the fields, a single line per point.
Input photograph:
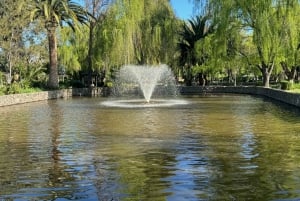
x=280 y=95
x=14 y=99
x=283 y=96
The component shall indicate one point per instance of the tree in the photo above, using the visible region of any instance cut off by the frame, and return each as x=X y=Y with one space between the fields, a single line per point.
x=13 y=21
x=262 y=20
x=54 y=13
x=97 y=9
x=73 y=49
x=138 y=32
x=157 y=38
x=192 y=33
x=289 y=54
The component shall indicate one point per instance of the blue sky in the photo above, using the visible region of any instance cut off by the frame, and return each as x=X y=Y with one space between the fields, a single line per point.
x=183 y=8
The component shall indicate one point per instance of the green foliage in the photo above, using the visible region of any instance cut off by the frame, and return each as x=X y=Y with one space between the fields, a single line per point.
x=17 y=88
x=289 y=85
x=76 y=84
x=191 y=45
x=140 y=32
x=2 y=91
x=286 y=85
x=13 y=23
x=72 y=49
x=53 y=13
x=263 y=21
x=33 y=76
x=195 y=46
x=250 y=38
x=108 y=83
x=296 y=86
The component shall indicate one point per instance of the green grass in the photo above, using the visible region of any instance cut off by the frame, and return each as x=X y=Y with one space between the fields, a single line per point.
x=294 y=90
x=17 y=89
x=293 y=87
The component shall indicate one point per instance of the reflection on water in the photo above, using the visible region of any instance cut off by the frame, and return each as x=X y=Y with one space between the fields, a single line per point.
x=214 y=148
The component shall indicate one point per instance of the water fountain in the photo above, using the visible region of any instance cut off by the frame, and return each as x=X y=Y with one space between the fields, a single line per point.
x=154 y=86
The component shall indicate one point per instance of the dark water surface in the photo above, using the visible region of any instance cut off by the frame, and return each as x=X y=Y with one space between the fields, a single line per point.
x=214 y=148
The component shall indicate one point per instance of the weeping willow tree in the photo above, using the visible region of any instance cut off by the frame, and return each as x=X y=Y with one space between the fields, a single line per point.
x=228 y=47
x=120 y=29
x=290 y=54
x=158 y=34
x=96 y=9
x=218 y=54
x=262 y=21
x=72 y=50
x=267 y=37
x=138 y=32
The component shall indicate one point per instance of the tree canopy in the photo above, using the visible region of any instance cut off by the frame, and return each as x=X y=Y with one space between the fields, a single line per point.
x=233 y=38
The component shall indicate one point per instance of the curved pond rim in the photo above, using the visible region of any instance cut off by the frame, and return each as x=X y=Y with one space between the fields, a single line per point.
x=275 y=94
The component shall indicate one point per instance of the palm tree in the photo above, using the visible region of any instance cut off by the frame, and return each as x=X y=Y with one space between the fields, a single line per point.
x=54 y=13
x=194 y=30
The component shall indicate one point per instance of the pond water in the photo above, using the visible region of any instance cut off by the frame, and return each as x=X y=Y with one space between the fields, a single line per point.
x=221 y=147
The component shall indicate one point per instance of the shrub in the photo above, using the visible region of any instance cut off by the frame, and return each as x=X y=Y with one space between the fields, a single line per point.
x=17 y=88
x=286 y=85
x=77 y=84
x=2 y=90
x=14 y=88
x=65 y=84
x=296 y=86
x=108 y=84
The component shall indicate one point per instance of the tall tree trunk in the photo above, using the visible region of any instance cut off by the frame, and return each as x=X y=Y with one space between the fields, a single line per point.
x=90 y=54
x=291 y=74
x=95 y=8
x=53 y=74
x=234 y=79
x=266 y=80
x=188 y=77
x=266 y=71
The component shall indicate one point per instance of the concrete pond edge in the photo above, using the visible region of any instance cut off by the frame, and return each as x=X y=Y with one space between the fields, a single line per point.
x=14 y=99
x=276 y=94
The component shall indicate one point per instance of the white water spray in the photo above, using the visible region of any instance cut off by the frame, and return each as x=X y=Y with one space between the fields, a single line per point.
x=147 y=79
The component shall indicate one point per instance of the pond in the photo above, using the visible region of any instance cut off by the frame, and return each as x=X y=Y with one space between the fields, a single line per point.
x=218 y=147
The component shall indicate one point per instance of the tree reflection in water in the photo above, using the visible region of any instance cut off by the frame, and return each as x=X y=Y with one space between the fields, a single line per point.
x=215 y=147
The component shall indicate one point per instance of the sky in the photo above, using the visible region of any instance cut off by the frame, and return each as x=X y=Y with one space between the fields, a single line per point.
x=183 y=8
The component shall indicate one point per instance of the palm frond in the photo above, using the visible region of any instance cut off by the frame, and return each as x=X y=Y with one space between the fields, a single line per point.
x=60 y=12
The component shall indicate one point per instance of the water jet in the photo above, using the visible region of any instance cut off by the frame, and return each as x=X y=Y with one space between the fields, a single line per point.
x=136 y=85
